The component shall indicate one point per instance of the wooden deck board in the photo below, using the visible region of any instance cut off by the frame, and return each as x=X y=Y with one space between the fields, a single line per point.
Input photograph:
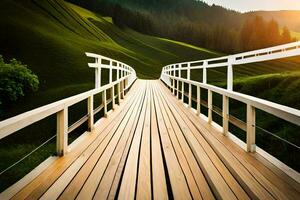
x=154 y=147
x=190 y=179
x=285 y=192
x=215 y=172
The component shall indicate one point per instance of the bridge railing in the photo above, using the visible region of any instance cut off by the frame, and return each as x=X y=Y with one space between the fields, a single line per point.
x=125 y=76
x=171 y=75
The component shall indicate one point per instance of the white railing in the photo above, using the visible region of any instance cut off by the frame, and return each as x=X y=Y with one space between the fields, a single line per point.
x=171 y=75
x=125 y=76
x=278 y=52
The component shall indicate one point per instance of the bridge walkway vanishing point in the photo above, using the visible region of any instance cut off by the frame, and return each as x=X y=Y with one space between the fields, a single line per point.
x=151 y=145
x=154 y=146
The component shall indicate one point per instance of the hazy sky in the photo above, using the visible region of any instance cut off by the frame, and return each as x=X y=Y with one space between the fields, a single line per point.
x=249 y=5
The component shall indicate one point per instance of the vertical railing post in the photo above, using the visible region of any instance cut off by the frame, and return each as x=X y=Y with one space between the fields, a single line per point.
x=122 y=83
x=90 y=113
x=179 y=76
x=98 y=74
x=190 y=85
x=198 y=100
x=104 y=101
x=112 y=90
x=204 y=75
x=118 y=86
x=62 y=132
x=173 y=80
x=230 y=74
x=122 y=89
x=251 y=147
x=210 y=107
x=110 y=71
x=225 y=114
x=182 y=88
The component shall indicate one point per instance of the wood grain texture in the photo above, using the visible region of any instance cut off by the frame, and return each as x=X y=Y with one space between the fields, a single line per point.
x=153 y=146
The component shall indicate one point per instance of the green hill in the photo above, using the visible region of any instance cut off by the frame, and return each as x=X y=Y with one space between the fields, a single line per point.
x=51 y=36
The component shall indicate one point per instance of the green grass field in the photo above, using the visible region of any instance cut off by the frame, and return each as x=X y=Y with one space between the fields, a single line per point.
x=51 y=36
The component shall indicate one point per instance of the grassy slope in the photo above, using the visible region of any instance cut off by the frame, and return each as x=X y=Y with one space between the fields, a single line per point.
x=52 y=36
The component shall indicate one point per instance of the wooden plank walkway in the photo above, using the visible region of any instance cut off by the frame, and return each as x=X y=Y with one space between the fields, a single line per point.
x=153 y=147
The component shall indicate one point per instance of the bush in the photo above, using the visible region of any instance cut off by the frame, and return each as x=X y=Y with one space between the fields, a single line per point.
x=15 y=80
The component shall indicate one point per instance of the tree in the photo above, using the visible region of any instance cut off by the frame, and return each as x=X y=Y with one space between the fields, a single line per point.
x=273 y=32
x=286 y=35
x=260 y=35
x=245 y=35
x=15 y=80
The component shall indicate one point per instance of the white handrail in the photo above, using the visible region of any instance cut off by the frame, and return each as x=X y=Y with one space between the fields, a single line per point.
x=172 y=79
x=125 y=78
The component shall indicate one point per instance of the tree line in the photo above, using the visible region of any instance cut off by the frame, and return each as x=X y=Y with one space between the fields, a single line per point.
x=193 y=22
x=254 y=33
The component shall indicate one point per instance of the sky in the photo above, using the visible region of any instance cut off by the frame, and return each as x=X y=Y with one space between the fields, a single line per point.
x=251 y=5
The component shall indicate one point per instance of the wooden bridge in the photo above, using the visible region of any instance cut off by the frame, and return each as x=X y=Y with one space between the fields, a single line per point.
x=153 y=145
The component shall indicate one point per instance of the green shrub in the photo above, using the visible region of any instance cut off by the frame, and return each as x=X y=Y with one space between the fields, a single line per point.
x=15 y=80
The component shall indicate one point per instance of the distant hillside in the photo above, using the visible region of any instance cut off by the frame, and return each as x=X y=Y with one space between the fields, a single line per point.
x=193 y=22
x=291 y=19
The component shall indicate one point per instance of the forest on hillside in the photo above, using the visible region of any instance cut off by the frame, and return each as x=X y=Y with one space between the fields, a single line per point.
x=194 y=22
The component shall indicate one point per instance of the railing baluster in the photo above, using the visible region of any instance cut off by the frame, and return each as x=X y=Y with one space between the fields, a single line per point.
x=98 y=73
x=251 y=128
x=104 y=101
x=91 y=113
x=209 y=97
x=122 y=89
x=198 y=100
x=182 y=88
x=118 y=86
x=225 y=114
x=62 y=132
x=173 y=80
x=113 y=97
x=230 y=74
x=190 y=85
x=179 y=75
x=112 y=90
x=204 y=74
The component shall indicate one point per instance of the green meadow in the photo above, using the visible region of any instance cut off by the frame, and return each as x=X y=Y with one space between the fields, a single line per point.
x=52 y=36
